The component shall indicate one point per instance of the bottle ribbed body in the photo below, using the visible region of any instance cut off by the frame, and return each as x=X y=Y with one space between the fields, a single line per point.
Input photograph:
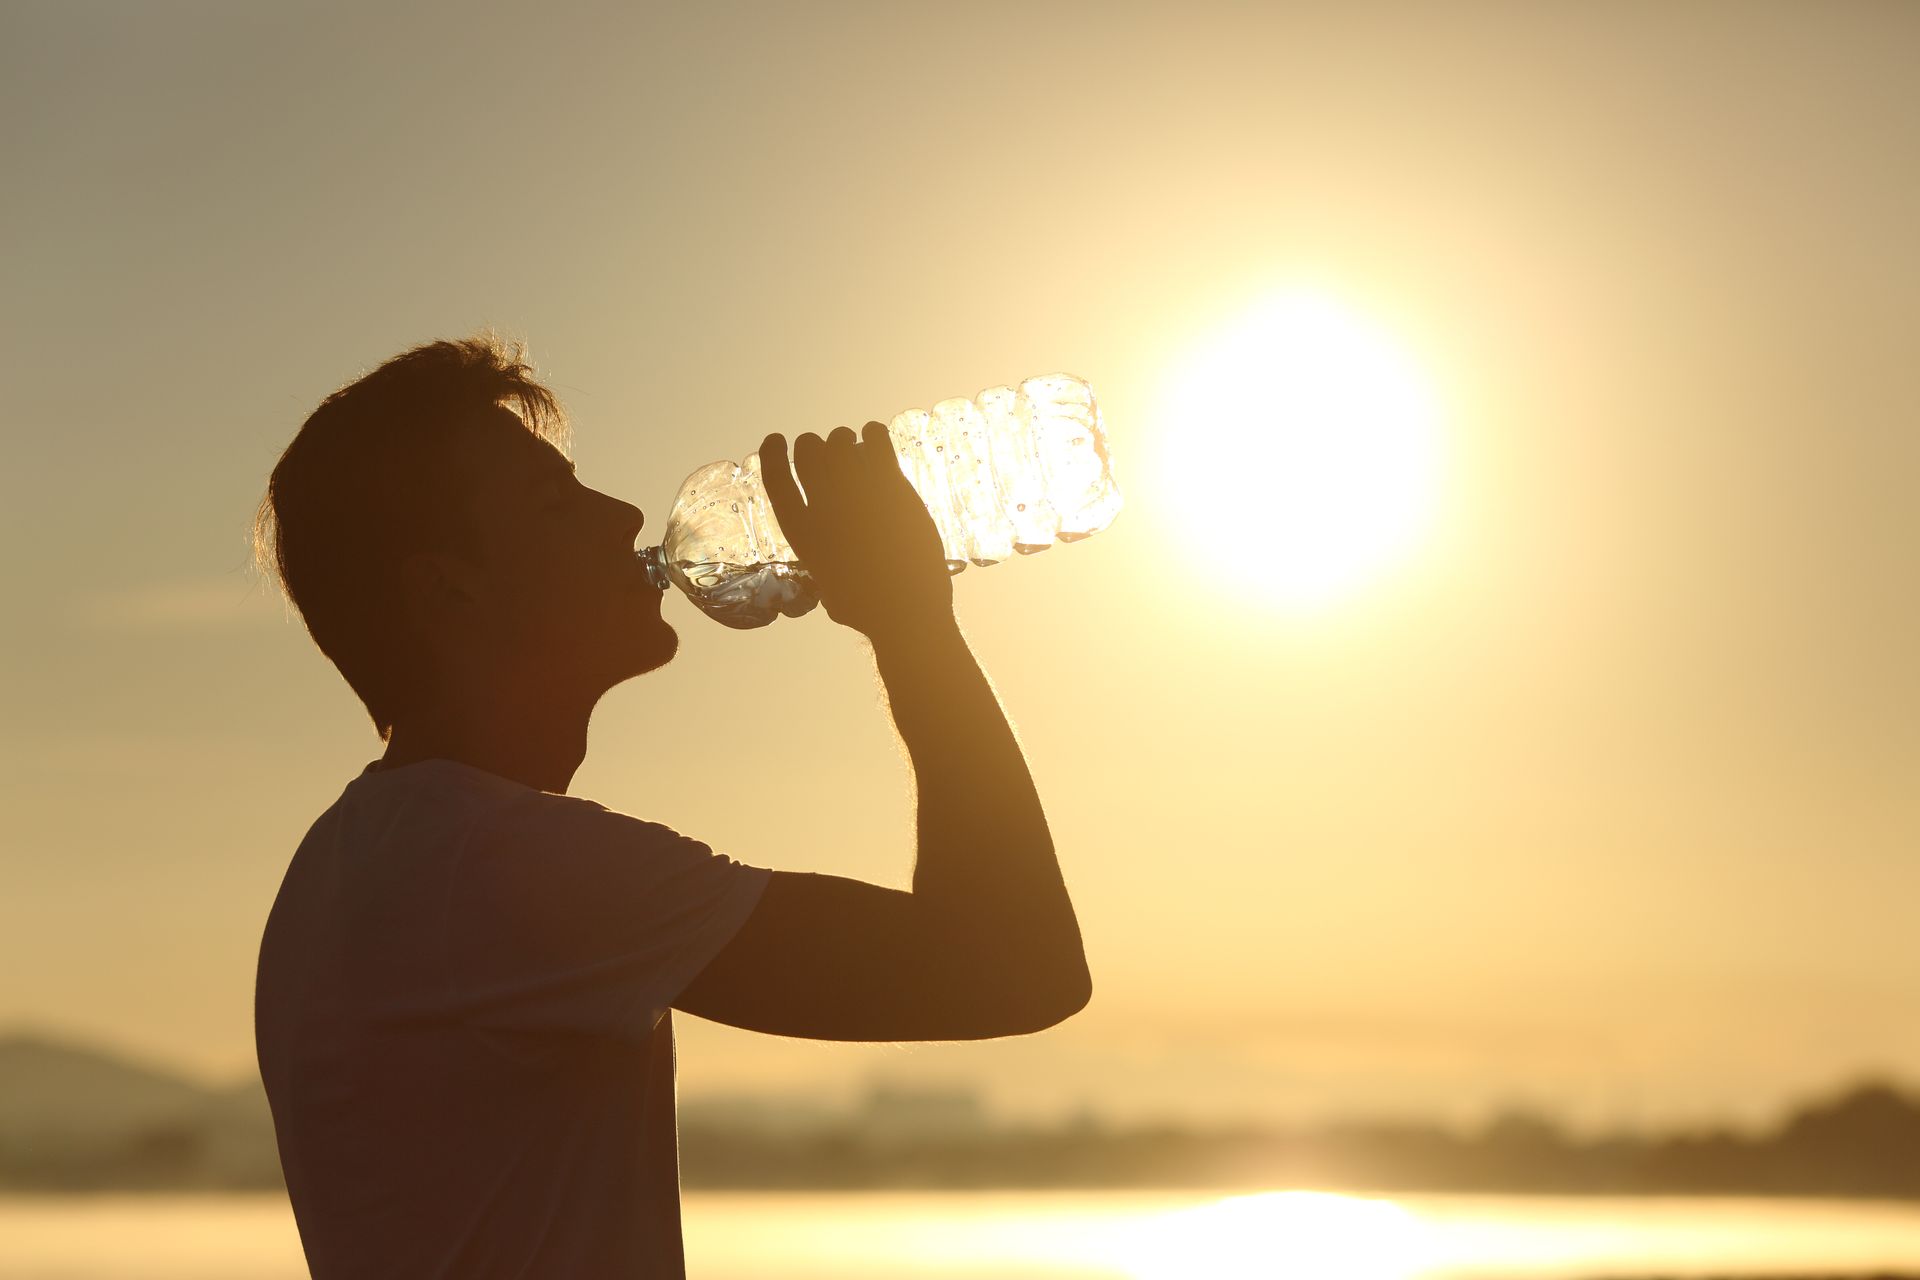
x=1009 y=472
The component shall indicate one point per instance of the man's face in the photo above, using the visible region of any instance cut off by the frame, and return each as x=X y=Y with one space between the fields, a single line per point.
x=564 y=601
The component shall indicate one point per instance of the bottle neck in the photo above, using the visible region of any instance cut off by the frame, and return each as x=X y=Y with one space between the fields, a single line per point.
x=654 y=559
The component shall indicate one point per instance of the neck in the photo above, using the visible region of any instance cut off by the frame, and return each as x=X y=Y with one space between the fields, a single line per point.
x=539 y=745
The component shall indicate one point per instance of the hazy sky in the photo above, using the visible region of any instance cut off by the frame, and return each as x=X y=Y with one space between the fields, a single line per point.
x=1603 y=799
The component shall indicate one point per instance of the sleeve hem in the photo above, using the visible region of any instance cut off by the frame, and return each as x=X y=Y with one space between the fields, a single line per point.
x=723 y=922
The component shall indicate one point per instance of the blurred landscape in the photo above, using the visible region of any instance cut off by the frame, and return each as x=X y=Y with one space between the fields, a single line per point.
x=78 y=1117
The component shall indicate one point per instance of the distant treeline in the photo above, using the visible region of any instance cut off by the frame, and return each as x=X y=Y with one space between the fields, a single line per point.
x=1864 y=1142
x=78 y=1120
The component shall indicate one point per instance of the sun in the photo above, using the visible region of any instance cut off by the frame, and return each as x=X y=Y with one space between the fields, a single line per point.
x=1302 y=452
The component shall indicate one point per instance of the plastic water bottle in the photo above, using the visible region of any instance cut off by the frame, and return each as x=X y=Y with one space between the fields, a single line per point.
x=1009 y=472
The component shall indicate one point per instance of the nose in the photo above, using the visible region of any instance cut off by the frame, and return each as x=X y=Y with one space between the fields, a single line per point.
x=632 y=519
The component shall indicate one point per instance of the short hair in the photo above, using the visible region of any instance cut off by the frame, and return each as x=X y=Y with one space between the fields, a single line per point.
x=364 y=483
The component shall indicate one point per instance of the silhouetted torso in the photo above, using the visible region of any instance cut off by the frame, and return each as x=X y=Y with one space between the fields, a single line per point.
x=463 y=1021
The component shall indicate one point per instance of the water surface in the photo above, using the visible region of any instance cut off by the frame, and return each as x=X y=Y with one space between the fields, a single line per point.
x=1059 y=1235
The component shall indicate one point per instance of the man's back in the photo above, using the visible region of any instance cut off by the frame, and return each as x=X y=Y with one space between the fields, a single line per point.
x=463 y=1022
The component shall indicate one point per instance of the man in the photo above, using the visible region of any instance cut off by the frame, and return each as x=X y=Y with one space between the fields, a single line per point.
x=463 y=1009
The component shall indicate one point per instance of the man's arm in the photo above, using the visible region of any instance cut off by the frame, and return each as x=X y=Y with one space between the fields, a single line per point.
x=987 y=943
x=985 y=859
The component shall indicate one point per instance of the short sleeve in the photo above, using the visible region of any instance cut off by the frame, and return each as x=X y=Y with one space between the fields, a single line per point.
x=564 y=916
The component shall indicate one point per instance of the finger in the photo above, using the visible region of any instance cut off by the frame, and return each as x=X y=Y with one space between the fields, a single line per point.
x=776 y=473
x=822 y=474
x=843 y=450
x=827 y=468
x=807 y=451
x=884 y=460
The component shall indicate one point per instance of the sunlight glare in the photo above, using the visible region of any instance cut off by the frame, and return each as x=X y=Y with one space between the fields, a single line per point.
x=1282 y=1235
x=1302 y=451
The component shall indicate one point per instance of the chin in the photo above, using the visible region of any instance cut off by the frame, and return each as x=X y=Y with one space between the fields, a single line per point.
x=627 y=651
x=658 y=651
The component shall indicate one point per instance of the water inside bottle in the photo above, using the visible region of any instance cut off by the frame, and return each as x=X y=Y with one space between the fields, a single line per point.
x=748 y=595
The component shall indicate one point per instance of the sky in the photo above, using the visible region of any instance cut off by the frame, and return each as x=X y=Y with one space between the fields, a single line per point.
x=1599 y=798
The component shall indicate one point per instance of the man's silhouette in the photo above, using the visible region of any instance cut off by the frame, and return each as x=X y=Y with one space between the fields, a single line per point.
x=463 y=1009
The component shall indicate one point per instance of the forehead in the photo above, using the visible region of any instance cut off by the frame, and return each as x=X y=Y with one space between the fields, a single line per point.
x=499 y=451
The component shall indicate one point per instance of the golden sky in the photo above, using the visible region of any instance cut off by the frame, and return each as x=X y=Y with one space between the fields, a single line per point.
x=1602 y=797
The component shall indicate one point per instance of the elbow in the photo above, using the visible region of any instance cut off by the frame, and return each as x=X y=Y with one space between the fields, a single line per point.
x=1080 y=994
x=1074 y=1003
x=1056 y=1003
x=1019 y=992
x=1078 y=990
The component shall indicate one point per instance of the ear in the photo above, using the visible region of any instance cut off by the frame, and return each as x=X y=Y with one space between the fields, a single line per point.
x=438 y=590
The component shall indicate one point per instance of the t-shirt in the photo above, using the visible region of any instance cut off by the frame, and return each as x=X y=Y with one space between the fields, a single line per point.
x=462 y=1014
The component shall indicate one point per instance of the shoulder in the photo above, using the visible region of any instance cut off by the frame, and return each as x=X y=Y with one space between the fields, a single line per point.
x=539 y=833
x=542 y=812
x=564 y=863
x=487 y=803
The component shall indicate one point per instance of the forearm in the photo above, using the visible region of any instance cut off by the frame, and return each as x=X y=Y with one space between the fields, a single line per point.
x=985 y=857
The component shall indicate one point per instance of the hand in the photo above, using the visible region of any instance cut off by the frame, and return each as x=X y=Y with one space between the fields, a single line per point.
x=861 y=532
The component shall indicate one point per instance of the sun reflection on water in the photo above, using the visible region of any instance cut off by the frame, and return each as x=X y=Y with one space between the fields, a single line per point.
x=1313 y=1235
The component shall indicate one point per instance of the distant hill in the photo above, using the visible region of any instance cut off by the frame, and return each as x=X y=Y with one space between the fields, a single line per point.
x=47 y=1086
x=75 y=1117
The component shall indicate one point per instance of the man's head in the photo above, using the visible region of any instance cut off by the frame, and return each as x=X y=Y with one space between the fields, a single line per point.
x=428 y=526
